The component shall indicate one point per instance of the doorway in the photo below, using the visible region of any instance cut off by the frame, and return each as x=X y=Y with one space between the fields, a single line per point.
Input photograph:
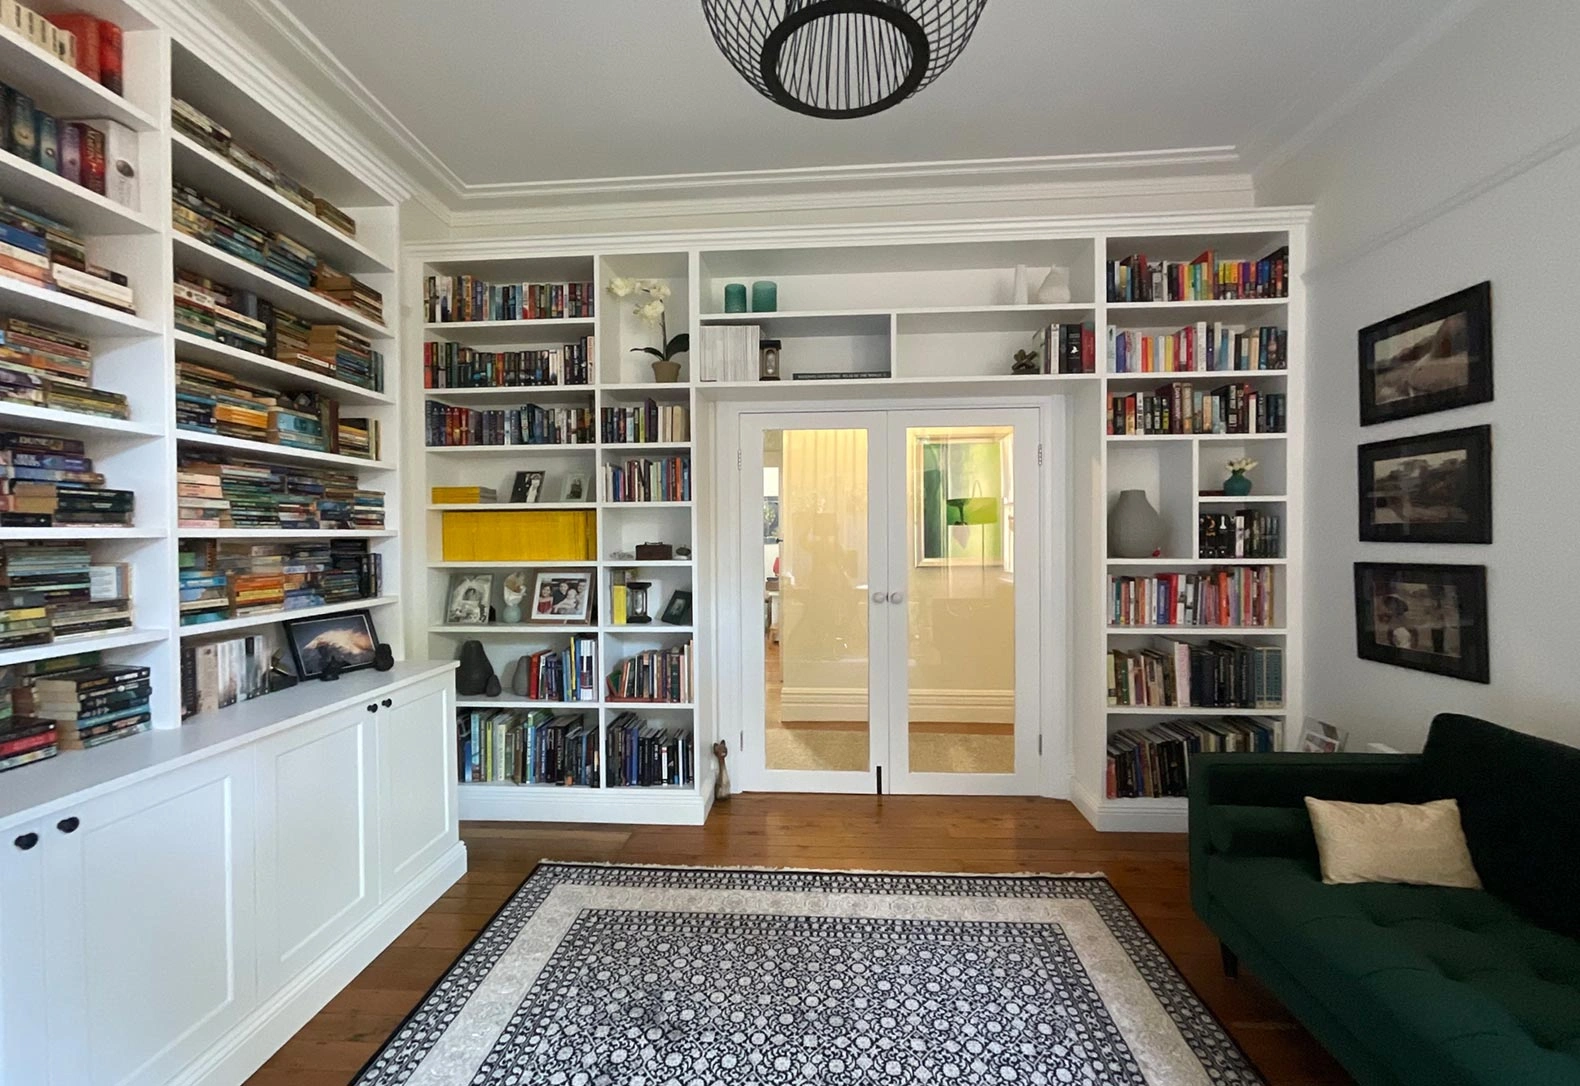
x=890 y=600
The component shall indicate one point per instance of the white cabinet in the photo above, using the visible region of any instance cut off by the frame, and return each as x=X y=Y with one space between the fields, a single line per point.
x=25 y=1041
x=417 y=782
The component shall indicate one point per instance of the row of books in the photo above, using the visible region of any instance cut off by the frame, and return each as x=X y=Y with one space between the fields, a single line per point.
x=448 y=298
x=1180 y=408
x=650 y=421
x=568 y=674
x=1199 y=348
x=217 y=674
x=529 y=424
x=222 y=580
x=47 y=253
x=729 y=352
x=46 y=480
x=1217 y=675
x=51 y=367
x=1206 y=278
x=535 y=746
x=56 y=589
x=1237 y=596
x=452 y=365
x=1155 y=762
x=643 y=753
x=210 y=400
x=230 y=492
x=647 y=480
x=205 y=130
x=1069 y=348
x=73 y=39
x=88 y=706
x=1245 y=533
x=98 y=154
x=657 y=675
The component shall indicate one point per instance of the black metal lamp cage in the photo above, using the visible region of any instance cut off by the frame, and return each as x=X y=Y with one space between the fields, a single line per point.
x=841 y=58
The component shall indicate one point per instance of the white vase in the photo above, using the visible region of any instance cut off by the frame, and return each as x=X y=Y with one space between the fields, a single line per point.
x=1135 y=530
x=1022 y=286
x=1055 y=289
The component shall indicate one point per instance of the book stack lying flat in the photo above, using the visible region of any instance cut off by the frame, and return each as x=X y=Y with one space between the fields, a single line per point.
x=289 y=259
x=654 y=675
x=646 y=752
x=211 y=401
x=234 y=317
x=95 y=705
x=290 y=343
x=537 y=746
x=226 y=579
x=23 y=739
x=205 y=595
x=47 y=253
x=237 y=493
x=78 y=596
x=199 y=126
x=349 y=292
x=217 y=674
x=1154 y=762
x=51 y=367
x=24 y=620
x=349 y=355
x=463 y=495
x=46 y=480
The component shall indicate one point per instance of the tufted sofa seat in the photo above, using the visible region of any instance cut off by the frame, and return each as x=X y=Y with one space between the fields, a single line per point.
x=1408 y=984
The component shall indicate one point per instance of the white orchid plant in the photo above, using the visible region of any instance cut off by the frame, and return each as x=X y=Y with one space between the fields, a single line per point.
x=1244 y=464
x=655 y=292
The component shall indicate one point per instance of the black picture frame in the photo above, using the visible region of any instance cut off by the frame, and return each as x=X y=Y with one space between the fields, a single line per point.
x=353 y=645
x=1427 y=495
x=527 y=489
x=1434 y=357
x=1386 y=592
x=677 y=612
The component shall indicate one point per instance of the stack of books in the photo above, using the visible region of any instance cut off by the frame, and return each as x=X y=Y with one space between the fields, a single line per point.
x=94 y=705
x=1069 y=348
x=349 y=292
x=558 y=674
x=451 y=365
x=217 y=674
x=1178 y=408
x=46 y=480
x=643 y=753
x=467 y=298
x=536 y=746
x=358 y=437
x=1239 y=596
x=228 y=579
x=529 y=424
x=1154 y=762
x=79 y=596
x=51 y=367
x=289 y=259
x=650 y=422
x=74 y=40
x=24 y=739
x=204 y=591
x=1245 y=533
x=211 y=222
x=654 y=675
x=24 y=620
x=49 y=254
x=349 y=355
x=648 y=480
x=1206 y=278
x=1217 y=675
x=238 y=493
x=211 y=401
x=1198 y=348
x=463 y=495
x=237 y=318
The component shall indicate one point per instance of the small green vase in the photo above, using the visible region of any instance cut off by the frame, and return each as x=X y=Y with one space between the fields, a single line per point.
x=1237 y=485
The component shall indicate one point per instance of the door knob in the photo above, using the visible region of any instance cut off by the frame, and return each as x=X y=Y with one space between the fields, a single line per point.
x=68 y=825
x=896 y=597
x=879 y=597
x=26 y=841
x=373 y=708
x=386 y=703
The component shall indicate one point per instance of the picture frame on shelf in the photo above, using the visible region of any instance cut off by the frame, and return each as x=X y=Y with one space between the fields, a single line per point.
x=343 y=642
x=1320 y=737
x=1431 y=488
x=562 y=596
x=467 y=602
x=527 y=488
x=574 y=489
x=1424 y=617
x=677 y=612
x=1434 y=357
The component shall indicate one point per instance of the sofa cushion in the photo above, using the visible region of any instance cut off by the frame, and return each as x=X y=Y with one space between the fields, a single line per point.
x=1260 y=831
x=1417 y=843
x=1453 y=985
x=1516 y=798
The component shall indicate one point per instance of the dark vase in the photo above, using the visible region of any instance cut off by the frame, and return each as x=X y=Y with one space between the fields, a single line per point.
x=475 y=675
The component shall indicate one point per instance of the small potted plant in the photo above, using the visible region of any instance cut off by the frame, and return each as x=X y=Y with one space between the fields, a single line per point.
x=1237 y=485
x=651 y=295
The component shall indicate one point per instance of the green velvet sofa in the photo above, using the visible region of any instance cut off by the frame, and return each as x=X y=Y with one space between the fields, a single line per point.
x=1407 y=984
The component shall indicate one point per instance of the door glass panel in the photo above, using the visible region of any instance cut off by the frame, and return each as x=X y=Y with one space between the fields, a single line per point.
x=960 y=501
x=816 y=678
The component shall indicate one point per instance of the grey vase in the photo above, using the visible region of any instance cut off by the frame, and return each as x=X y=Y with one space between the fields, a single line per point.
x=1135 y=529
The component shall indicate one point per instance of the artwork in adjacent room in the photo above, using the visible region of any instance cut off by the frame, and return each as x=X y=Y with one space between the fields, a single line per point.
x=528 y=488
x=469 y=596
x=1435 y=488
x=1432 y=358
x=1426 y=617
x=960 y=497
x=562 y=596
x=344 y=642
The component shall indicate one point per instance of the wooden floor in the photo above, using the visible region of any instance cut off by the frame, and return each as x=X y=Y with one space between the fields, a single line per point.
x=903 y=833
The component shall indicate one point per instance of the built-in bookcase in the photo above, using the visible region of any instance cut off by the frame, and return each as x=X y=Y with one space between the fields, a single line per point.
x=136 y=354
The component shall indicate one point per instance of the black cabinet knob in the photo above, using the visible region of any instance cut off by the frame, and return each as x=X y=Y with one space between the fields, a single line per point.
x=26 y=841
x=373 y=708
x=68 y=825
x=386 y=703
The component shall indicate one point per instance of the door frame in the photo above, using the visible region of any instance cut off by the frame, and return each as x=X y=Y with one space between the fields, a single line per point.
x=1056 y=757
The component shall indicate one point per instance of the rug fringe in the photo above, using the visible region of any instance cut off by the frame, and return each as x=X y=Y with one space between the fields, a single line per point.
x=836 y=870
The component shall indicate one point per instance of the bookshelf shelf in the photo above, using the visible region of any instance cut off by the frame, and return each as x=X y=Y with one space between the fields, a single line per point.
x=647 y=629
x=1191 y=710
x=1248 y=499
x=68 y=532
x=63 y=91
x=515 y=394
x=255 y=367
x=611 y=505
x=509 y=450
x=507 y=629
x=96 y=642
x=486 y=507
x=286 y=533
x=648 y=563
x=520 y=564
x=50 y=420
x=250 y=622
x=23 y=299
x=519 y=703
x=1216 y=376
x=1145 y=439
x=263 y=450
x=86 y=210
x=211 y=175
x=1200 y=631
x=646 y=446
x=1191 y=563
x=197 y=256
x=500 y=333
x=809 y=324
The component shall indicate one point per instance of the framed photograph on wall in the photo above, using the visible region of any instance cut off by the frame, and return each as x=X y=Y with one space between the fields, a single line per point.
x=1431 y=358
x=1425 y=617
x=1435 y=488
x=345 y=640
x=562 y=596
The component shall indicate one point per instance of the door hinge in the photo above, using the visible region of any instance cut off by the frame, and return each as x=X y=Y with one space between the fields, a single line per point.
x=743 y=741
x=1039 y=746
x=1039 y=454
x=737 y=460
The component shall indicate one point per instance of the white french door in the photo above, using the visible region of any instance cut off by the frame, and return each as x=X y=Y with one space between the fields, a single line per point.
x=895 y=584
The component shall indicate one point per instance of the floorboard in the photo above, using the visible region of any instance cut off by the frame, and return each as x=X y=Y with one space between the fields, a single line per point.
x=899 y=833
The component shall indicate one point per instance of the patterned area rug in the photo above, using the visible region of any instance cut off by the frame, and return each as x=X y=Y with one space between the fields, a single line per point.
x=594 y=975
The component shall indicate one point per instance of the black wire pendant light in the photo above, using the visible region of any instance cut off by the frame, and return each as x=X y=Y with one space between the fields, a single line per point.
x=841 y=58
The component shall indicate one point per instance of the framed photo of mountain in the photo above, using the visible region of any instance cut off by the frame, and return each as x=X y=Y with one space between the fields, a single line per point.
x=1434 y=357
x=1435 y=488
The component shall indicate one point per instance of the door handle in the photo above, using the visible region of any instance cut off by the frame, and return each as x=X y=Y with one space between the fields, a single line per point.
x=68 y=825
x=373 y=708
x=386 y=702
x=879 y=597
x=896 y=597
x=26 y=841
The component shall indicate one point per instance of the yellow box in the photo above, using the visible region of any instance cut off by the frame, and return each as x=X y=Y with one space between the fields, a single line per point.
x=548 y=535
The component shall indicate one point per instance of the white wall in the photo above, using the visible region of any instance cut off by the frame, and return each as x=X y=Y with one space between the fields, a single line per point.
x=1464 y=166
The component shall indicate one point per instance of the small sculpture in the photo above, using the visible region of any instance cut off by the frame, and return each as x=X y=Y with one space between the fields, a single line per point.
x=721 y=783
x=515 y=590
x=1025 y=362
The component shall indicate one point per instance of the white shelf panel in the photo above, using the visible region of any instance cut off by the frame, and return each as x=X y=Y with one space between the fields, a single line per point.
x=21 y=298
x=247 y=622
x=71 y=203
x=507 y=629
x=514 y=394
x=63 y=91
x=609 y=506
x=645 y=388
x=211 y=175
x=1198 y=375
x=503 y=702
x=646 y=446
x=1224 y=499
x=1173 y=315
x=68 y=532
x=809 y=323
x=1140 y=438
x=838 y=389
x=507 y=450
x=93 y=642
x=194 y=255
x=485 y=507
x=647 y=629
x=512 y=565
x=618 y=704
x=1200 y=631
x=51 y=420
x=285 y=534
x=1190 y=710
x=649 y=563
x=501 y=333
x=263 y=450
x=1195 y=562
x=255 y=367
x=990 y=318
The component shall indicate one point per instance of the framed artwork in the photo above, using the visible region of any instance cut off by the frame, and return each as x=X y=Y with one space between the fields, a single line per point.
x=677 y=612
x=1320 y=737
x=575 y=488
x=770 y=520
x=528 y=488
x=1426 y=617
x=563 y=596
x=1435 y=488
x=468 y=600
x=346 y=641
x=962 y=505
x=1431 y=358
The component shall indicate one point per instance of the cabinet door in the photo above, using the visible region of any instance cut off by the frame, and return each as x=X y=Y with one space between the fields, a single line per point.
x=151 y=923
x=315 y=845
x=417 y=800
x=24 y=1029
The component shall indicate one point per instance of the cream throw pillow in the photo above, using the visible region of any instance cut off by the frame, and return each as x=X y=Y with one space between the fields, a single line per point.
x=1419 y=843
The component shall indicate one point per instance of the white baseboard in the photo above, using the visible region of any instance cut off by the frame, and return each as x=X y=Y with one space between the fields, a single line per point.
x=1129 y=815
x=244 y=1049
x=648 y=806
x=944 y=706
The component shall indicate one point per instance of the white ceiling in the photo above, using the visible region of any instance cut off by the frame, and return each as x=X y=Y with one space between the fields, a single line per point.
x=515 y=92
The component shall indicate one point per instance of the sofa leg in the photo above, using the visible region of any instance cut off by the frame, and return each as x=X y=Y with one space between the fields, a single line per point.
x=1231 y=964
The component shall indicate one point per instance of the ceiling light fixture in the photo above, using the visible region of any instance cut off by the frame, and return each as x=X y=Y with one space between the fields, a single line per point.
x=841 y=58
